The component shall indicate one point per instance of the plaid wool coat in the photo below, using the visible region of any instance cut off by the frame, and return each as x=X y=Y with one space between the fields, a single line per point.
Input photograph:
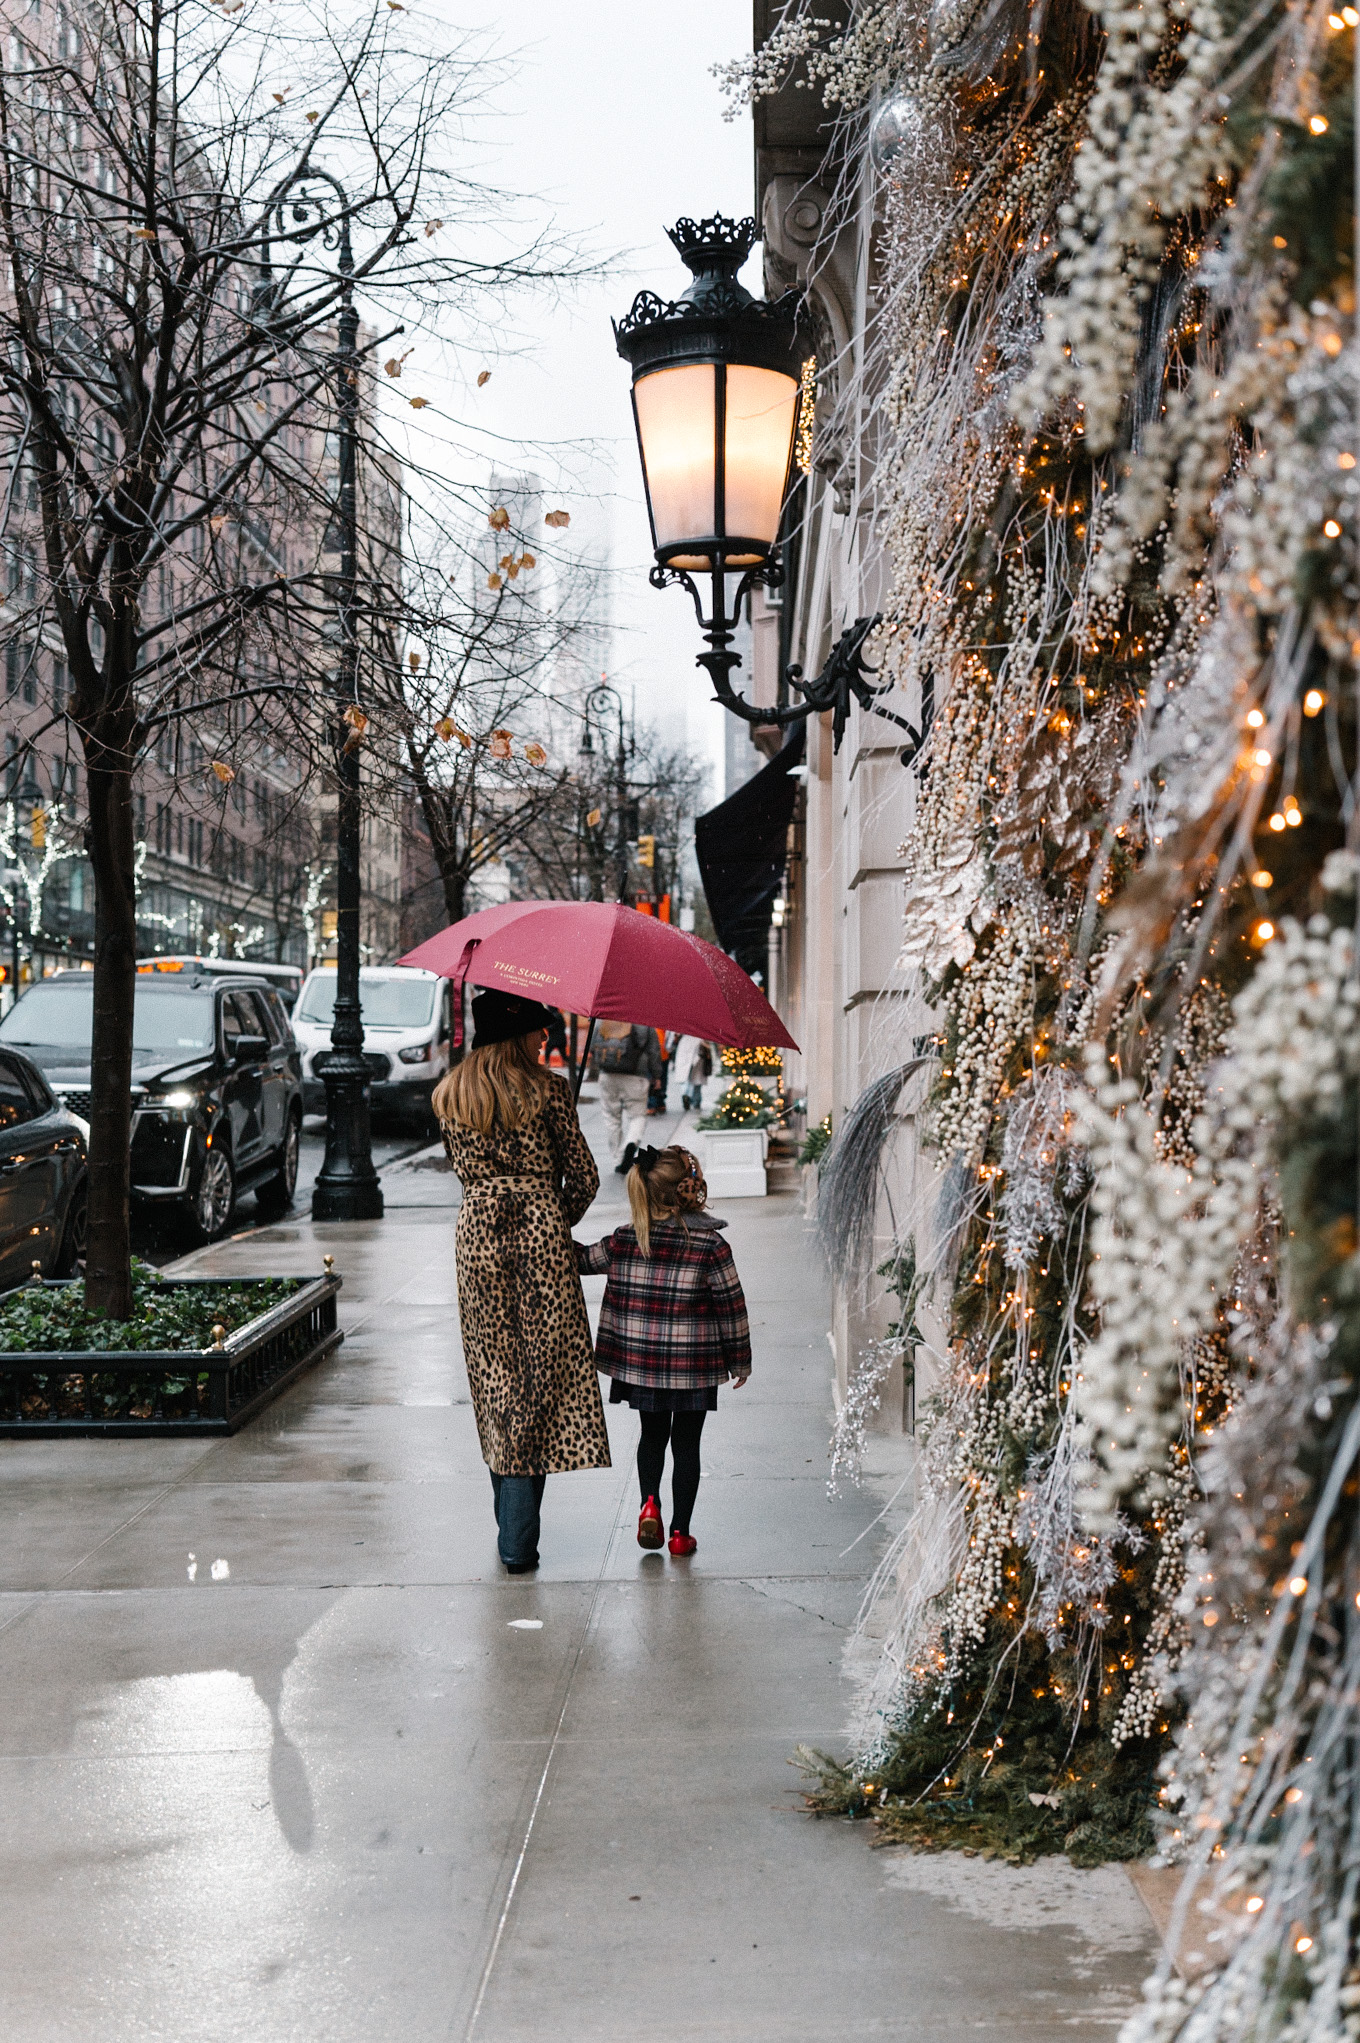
x=673 y=1320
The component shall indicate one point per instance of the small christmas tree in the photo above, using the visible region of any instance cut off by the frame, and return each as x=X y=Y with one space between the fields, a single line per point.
x=744 y=1105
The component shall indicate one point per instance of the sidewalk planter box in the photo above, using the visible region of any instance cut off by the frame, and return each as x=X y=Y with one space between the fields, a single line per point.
x=144 y=1391
x=733 y=1161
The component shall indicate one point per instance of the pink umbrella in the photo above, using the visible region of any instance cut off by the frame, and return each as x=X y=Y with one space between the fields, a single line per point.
x=605 y=960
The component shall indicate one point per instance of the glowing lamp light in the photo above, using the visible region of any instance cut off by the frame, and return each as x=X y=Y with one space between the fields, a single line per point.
x=1277 y=821
x=1318 y=123
x=1255 y=718
x=1332 y=529
x=1261 y=878
x=1298 y=1585
x=1313 y=702
x=1293 y=1794
x=1264 y=932
x=1303 y=1944
x=1349 y=16
x=716 y=383
x=1255 y=1904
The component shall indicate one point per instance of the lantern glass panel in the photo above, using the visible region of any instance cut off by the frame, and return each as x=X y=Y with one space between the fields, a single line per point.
x=762 y=408
x=675 y=415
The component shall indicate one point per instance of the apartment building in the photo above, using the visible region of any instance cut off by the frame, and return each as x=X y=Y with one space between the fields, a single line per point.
x=231 y=817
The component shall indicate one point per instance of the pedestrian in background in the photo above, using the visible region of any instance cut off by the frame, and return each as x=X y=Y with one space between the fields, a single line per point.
x=626 y=1058
x=656 y=1095
x=510 y=1128
x=673 y=1326
x=700 y=1071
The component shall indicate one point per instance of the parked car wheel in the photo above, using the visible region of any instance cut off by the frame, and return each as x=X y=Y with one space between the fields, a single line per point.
x=276 y=1193
x=71 y=1254
x=216 y=1195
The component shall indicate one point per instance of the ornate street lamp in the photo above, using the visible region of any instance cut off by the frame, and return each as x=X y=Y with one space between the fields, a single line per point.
x=717 y=382
x=594 y=710
x=347 y=1187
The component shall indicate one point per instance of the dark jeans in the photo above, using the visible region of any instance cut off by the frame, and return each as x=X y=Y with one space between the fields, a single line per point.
x=517 y=1506
x=682 y=1430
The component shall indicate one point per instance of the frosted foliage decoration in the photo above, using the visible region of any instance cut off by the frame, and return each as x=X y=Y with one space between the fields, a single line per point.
x=1041 y=1164
x=863 y=1397
x=1108 y=379
x=1163 y=1245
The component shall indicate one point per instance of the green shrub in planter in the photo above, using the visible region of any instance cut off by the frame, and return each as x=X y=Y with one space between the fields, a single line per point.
x=46 y=1318
x=744 y=1105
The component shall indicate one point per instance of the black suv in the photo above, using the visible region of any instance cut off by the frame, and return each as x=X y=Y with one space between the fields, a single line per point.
x=216 y=1084
x=43 y=1193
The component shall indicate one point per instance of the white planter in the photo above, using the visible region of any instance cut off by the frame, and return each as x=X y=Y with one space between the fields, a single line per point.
x=733 y=1161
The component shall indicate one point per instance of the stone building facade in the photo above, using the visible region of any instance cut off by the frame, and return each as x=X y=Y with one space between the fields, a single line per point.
x=834 y=961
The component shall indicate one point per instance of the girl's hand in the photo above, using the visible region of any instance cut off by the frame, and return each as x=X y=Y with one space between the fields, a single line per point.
x=740 y=1378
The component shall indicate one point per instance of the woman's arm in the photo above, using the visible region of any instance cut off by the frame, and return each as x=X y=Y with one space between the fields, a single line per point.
x=729 y=1309
x=580 y=1178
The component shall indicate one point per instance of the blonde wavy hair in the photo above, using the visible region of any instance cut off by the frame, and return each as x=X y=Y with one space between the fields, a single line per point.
x=673 y=1187
x=500 y=1086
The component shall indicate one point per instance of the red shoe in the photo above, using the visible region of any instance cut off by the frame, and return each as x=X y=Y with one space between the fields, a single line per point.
x=682 y=1545
x=651 y=1532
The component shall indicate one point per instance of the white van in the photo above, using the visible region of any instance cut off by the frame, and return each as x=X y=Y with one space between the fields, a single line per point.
x=406 y=1015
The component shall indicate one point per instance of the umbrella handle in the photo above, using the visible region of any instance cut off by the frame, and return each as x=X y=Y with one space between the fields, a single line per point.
x=585 y=1058
x=459 y=976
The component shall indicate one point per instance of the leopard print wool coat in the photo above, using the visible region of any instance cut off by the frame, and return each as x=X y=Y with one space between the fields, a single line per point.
x=526 y=1338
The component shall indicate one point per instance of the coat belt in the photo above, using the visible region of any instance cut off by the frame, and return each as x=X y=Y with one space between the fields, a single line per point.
x=508 y=1178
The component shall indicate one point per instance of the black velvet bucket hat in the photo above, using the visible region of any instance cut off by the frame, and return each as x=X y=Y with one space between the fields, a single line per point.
x=500 y=1017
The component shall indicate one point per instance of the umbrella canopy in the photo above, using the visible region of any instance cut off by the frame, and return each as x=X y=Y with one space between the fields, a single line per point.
x=605 y=960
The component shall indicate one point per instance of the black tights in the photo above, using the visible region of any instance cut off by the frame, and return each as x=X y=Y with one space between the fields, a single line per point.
x=682 y=1429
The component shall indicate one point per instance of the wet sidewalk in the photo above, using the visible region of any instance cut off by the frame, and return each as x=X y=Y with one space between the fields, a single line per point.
x=285 y=1756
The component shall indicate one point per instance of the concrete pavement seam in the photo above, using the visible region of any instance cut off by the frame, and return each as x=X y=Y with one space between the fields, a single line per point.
x=507 y=1905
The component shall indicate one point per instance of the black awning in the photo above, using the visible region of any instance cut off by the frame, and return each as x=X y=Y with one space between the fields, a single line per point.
x=741 y=850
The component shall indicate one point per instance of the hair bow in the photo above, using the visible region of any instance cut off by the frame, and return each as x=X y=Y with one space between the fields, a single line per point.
x=646 y=1160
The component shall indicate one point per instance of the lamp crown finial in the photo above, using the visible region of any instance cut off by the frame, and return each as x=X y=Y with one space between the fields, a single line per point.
x=716 y=245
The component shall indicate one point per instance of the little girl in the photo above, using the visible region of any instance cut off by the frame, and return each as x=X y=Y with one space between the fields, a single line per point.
x=672 y=1327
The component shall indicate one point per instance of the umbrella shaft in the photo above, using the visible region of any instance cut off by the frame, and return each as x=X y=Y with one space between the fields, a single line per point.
x=585 y=1056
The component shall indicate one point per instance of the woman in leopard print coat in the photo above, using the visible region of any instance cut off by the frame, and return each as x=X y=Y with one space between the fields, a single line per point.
x=512 y=1136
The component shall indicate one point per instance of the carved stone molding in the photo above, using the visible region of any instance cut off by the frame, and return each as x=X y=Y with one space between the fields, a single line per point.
x=791 y=222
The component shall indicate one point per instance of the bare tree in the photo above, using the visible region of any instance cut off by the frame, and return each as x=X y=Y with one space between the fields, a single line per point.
x=172 y=284
x=476 y=696
x=570 y=849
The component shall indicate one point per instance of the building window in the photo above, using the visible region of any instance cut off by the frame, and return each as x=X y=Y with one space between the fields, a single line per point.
x=141 y=817
x=61 y=683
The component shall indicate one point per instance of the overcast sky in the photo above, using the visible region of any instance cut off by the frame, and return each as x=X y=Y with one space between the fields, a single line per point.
x=610 y=119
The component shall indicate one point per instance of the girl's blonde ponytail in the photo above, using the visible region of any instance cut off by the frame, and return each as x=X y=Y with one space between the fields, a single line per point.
x=641 y=1207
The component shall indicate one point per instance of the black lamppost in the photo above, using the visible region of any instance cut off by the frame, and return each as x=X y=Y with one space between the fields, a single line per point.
x=347 y=1187
x=594 y=708
x=717 y=389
